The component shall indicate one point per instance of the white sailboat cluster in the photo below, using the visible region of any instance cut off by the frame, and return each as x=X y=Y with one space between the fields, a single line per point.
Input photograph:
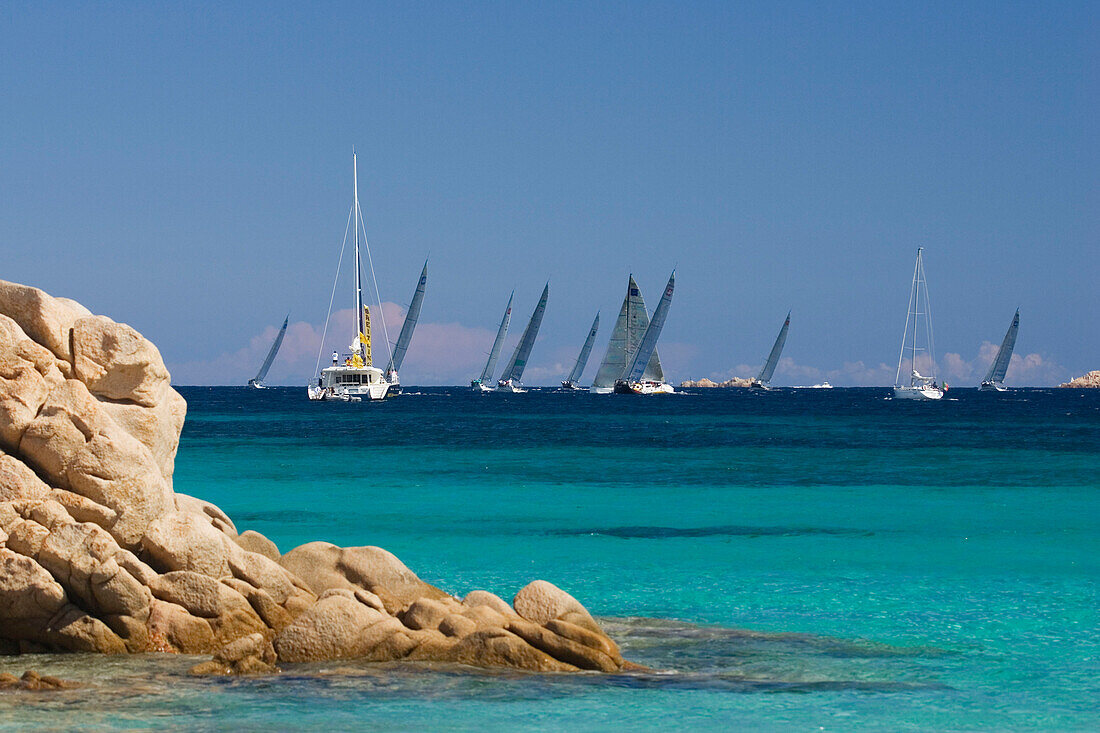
x=484 y=383
x=631 y=364
x=922 y=353
x=257 y=382
x=354 y=376
x=511 y=379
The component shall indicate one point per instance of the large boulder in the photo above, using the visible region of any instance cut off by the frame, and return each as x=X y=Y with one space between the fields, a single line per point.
x=323 y=565
x=333 y=628
x=98 y=553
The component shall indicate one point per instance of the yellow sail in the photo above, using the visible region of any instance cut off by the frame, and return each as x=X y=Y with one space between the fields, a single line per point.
x=364 y=337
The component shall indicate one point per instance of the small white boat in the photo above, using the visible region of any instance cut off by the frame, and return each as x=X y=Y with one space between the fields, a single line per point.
x=622 y=349
x=484 y=383
x=257 y=382
x=626 y=336
x=356 y=377
x=920 y=387
x=513 y=371
x=407 y=328
x=643 y=387
x=570 y=382
x=634 y=380
x=823 y=385
x=994 y=379
x=765 y=376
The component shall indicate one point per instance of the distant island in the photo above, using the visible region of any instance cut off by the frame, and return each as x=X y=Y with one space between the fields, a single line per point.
x=704 y=382
x=1089 y=381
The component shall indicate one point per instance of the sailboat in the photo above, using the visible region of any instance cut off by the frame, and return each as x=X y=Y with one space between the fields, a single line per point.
x=626 y=335
x=510 y=380
x=405 y=337
x=634 y=380
x=356 y=377
x=258 y=380
x=993 y=381
x=918 y=386
x=485 y=381
x=765 y=375
x=582 y=358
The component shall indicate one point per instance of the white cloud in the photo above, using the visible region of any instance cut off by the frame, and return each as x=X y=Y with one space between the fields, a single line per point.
x=1027 y=369
x=440 y=353
x=859 y=374
x=451 y=353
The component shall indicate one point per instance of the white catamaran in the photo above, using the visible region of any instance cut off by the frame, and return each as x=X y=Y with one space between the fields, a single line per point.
x=356 y=377
x=511 y=378
x=634 y=380
x=258 y=380
x=626 y=336
x=405 y=337
x=765 y=375
x=582 y=358
x=485 y=381
x=994 y=380
x=919 y=386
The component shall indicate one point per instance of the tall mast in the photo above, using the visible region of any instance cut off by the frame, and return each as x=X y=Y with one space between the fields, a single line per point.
x=916 y=312
x=361 y=326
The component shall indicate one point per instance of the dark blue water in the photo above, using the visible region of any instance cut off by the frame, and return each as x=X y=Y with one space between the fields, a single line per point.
x=824 y=558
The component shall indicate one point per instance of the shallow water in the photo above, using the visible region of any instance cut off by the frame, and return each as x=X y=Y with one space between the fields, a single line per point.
x=805 y=558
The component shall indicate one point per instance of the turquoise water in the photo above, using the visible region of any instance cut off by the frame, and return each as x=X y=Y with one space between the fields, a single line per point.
x=797 y=559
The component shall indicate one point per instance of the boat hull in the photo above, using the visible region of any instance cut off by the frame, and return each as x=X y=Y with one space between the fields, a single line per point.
x=355 y=393
x=509 y=386
x=917 y=393
x=350 y=384
x=992 y=387
x=645 y=388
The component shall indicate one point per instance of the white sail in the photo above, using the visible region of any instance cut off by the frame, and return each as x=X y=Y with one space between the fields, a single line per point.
x=999 y=367
x=582 y=358
x=514 y=370
x=625 y=337
x=262 y=374
x=777 y=349
x=648 y=345
x=494 y=354
x=411 y=318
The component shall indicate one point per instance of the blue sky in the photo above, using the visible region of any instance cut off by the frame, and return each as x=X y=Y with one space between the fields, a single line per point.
x=186 y=169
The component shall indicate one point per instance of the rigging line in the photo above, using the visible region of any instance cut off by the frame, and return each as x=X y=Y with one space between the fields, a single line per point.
x=928 y=325
x=339 y=262
x=908 y=310
x=377 y=295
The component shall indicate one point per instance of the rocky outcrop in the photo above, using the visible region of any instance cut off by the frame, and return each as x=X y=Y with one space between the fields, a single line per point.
x=31 y=680
x=704 y=382
x=1089 y=381
x=98 y=553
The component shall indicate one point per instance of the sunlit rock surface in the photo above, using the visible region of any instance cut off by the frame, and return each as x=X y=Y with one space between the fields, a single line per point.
x=99 y=554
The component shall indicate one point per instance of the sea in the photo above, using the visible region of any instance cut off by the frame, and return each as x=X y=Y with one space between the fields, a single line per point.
x=800 y=559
